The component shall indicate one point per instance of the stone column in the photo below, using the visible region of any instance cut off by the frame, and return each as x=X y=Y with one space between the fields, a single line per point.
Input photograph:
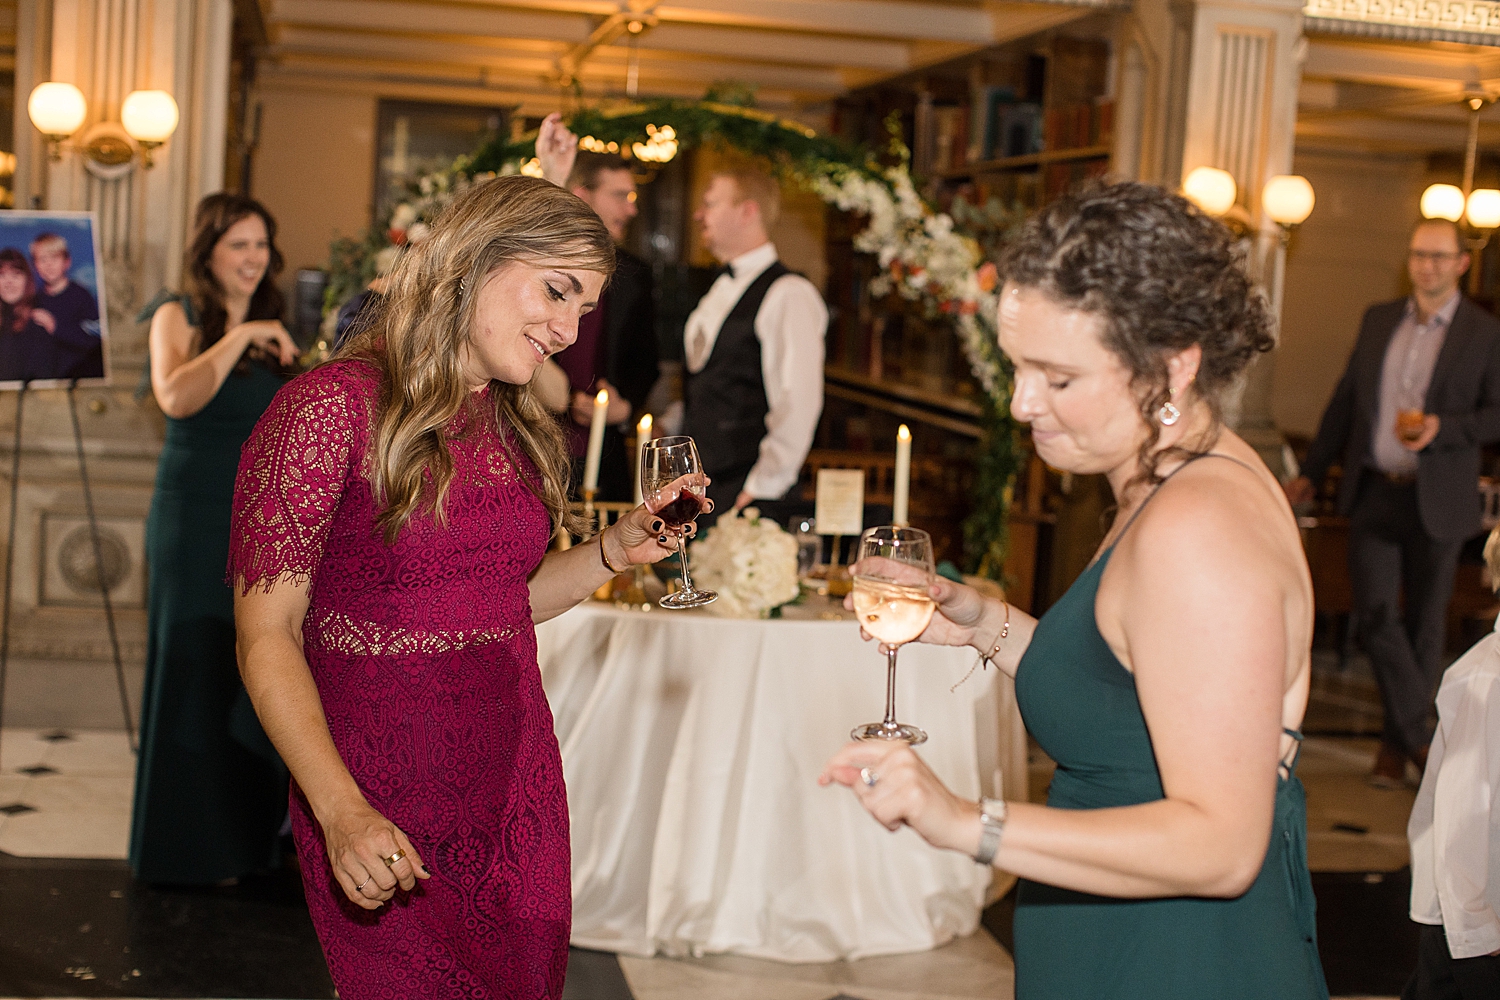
x=61 y=665
x=1241 y=117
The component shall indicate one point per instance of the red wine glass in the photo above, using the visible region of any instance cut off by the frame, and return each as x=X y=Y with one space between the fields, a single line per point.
x=673 y=487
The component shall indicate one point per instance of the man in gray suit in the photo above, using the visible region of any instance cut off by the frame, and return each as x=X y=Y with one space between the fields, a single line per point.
x=1420 y=396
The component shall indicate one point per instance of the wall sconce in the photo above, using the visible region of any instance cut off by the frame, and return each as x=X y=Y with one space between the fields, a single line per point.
x=147 y=119
x=1288 y=200
x=1211 y=189
x=1443 y=201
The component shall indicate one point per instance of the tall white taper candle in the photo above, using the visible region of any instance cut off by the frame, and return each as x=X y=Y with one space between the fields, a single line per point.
x=902 y=485
x=596 y=443
x=642 y=435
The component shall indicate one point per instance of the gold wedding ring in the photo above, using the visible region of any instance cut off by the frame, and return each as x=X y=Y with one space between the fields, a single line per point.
x=392 y=859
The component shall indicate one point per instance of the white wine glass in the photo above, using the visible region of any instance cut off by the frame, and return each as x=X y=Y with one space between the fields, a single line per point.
x=674 y=488
x=892 y=602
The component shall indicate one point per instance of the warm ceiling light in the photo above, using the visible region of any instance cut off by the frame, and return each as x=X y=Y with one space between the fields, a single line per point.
x=149 y=115
x=1483 y=209
x=1211 y=189
x=1288 y=199
x=1443 y=201
x=57 y=109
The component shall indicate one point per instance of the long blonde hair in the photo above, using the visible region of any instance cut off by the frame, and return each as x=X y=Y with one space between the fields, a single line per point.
x=418 y=339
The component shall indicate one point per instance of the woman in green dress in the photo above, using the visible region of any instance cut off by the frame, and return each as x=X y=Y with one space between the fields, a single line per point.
x=210 y=793
x=1170 y=681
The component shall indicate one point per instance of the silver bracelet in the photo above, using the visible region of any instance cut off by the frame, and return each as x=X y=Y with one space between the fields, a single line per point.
x=991 y=827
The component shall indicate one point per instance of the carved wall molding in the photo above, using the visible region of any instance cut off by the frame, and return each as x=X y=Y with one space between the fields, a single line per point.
x=1470 y=22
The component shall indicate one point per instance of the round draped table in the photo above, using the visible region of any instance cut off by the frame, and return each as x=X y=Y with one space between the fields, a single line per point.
x=691 y=748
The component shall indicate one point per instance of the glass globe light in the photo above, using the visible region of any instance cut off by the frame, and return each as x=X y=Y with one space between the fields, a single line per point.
x=1484 y=209
x=1443 y=201
x=1288 y=199
x=57 y=109
x=1211 y=189
x=149 y=115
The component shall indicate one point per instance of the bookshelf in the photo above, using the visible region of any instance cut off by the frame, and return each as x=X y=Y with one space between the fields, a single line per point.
x=1014 y=126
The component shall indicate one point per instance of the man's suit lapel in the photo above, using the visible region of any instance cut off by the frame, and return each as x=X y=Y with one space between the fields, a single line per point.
x=1373 y=363
x=1454 y=341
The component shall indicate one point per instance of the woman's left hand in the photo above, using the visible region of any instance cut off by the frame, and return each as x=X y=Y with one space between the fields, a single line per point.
x=640 y=537
x=898 y=788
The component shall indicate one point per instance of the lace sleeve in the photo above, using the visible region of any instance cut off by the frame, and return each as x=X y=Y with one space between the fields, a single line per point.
x=292 y=473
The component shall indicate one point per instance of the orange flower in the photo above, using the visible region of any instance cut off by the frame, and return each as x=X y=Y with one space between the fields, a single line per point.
x=988 y=276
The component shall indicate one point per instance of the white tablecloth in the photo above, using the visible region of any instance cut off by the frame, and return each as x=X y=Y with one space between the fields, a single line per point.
x=691 y=746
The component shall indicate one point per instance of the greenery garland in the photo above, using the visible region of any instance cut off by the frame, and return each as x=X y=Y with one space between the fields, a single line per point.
x=933 y=259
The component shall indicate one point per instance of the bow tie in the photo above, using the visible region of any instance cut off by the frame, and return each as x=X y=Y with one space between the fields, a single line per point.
x=727 y=270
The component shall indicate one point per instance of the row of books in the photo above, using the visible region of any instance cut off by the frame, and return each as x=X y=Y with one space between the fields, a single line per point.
x=998 y=127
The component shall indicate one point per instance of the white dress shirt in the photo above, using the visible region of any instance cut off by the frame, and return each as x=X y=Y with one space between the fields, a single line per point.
x=1455 y=823
x=790 y=326
x=1407 y=372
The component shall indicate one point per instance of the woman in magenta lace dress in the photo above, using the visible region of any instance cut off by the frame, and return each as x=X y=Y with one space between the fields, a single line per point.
x=392 y=514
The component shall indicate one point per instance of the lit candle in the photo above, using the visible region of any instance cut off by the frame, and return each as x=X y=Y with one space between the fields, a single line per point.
x=902 y=486
x=596 y=443
x=642 y=435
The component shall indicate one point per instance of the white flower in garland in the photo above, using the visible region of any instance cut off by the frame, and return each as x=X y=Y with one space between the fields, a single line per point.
x=750 y=561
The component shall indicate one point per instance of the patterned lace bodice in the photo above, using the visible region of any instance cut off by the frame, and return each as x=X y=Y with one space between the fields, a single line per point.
x=304 y=510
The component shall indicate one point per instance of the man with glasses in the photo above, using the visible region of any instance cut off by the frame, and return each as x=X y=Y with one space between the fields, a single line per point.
x=616 y=347
x=1420 y=396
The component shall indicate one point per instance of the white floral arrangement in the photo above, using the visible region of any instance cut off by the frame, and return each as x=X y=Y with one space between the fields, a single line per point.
x=750 y=561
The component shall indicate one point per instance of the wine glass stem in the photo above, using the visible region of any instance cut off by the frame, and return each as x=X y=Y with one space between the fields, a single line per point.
x=890 y=688
x=687 y=580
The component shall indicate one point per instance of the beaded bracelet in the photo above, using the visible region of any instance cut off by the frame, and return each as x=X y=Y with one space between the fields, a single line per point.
x=989 y=657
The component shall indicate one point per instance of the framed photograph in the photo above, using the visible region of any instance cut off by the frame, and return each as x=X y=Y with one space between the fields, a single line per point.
x=52 y=312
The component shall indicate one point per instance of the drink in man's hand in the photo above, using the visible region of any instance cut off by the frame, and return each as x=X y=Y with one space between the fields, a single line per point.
x=890 y=612
x=1410 y=424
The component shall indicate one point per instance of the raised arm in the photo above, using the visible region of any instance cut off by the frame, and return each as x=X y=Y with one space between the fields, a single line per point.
x=556 y=149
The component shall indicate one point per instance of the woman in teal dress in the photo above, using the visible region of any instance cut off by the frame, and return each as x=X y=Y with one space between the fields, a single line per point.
x=210 y=793
x=1170 y=681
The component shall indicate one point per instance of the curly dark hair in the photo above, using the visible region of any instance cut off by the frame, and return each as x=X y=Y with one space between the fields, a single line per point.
x=1163 y=276
x=215 y=215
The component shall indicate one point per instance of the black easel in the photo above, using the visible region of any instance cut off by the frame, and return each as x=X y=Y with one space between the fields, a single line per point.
x=10 y=556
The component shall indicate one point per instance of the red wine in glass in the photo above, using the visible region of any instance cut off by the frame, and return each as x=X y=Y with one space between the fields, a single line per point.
x=673 y=486
x=682 y=511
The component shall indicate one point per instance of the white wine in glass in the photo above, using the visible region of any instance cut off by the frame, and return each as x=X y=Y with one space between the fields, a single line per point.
x=892 y=603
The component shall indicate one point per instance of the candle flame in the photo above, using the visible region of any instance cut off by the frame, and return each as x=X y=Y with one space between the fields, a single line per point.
x=904 y=434
x=602 y=399
x=644 y=427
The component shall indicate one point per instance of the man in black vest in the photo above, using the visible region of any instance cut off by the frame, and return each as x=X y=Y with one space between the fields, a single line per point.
x=1420 y=396
x=753 y=389
x=616 y=345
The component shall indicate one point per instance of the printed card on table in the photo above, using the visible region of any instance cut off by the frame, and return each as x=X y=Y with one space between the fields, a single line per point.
x=841 y=501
